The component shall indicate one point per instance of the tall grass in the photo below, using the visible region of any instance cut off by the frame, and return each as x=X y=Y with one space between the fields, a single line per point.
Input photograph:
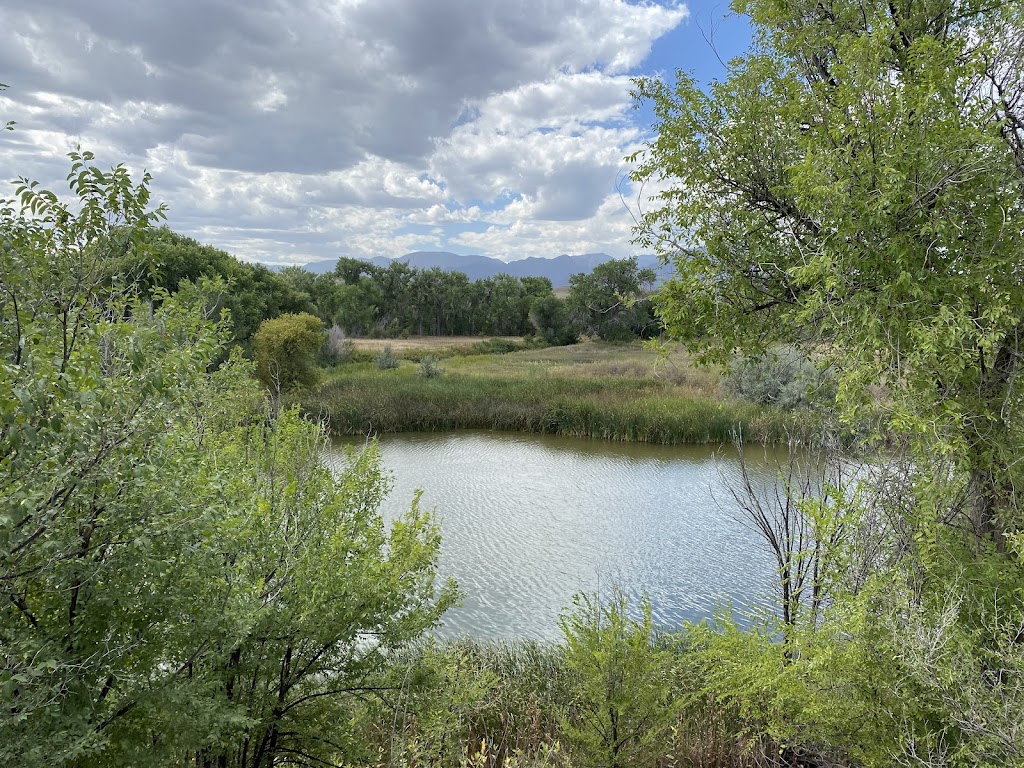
x=614 y=407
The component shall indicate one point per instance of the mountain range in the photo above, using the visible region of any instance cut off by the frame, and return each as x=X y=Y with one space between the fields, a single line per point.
x=557 y=269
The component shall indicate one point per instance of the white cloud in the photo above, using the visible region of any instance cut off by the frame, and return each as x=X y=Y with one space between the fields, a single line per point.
x=295 y=130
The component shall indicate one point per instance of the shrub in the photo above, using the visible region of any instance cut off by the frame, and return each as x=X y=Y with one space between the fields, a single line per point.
x=285 y=350
x=429 y=368
x=386 y=359
x=784 y=377
x=495 y=347
x=339 y=347
x=623 y=705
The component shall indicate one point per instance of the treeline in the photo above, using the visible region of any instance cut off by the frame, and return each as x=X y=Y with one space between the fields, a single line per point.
x=366 y=300
x=363 y=299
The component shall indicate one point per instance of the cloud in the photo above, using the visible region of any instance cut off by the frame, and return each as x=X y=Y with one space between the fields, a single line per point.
x=327 y=127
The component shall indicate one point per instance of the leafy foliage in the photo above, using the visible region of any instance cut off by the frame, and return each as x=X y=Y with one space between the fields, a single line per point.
x=551 y=320
x=622 y=704
x=611 y=302
x=250 y=292
x=854 y=187
x=366 y=300
x=285 y=350
x=182 y=579
x=855 y=182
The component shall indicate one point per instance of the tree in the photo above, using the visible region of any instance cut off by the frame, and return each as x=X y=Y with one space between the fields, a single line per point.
x=285 y=350
x=163 y=595
x=322 y=592
x=250 y=292
x=551 y=320
x=92 y=384
x=855 y=184
x=611 y=302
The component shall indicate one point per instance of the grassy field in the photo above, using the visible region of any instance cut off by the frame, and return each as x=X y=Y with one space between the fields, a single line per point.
x=615 y=392
x=438 y=345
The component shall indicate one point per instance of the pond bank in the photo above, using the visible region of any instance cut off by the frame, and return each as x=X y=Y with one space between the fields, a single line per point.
x=604 y=391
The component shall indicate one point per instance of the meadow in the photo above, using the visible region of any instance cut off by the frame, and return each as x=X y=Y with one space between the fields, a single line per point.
x=593 y=389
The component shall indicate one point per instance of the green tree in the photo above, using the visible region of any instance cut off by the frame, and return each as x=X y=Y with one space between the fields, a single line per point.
x=285 y=350
x=323 y=593
x=250 y=292
x=551 y=320
x=854 y=186
x=159 y=531
x=612 y=301
x=855 y=183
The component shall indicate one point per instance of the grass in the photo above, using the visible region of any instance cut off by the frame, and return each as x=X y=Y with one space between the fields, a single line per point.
x=437 y=345
x=614 y=392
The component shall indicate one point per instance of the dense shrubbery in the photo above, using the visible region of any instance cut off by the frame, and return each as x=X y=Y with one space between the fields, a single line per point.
x=784 y=377
x=285 y=350
x=183 y=581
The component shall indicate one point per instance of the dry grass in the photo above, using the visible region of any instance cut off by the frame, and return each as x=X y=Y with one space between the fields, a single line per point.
x=425 y=343
x=593 y=359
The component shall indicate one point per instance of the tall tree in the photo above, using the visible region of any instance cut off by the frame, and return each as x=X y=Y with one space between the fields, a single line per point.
x=855 y=183
x=612 y=301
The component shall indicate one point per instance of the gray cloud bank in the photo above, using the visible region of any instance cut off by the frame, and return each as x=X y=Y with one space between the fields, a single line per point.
x=294 y=130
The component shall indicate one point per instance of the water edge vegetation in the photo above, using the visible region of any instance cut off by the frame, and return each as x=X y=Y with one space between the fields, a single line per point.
x=592 y=389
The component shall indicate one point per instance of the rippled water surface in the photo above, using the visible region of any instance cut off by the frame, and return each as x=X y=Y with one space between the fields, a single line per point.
x=529 y=520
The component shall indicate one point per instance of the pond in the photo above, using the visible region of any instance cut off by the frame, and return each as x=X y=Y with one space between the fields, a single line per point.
x=529 y=520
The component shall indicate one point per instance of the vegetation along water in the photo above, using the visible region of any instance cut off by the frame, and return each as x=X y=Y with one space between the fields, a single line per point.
x=186 y=581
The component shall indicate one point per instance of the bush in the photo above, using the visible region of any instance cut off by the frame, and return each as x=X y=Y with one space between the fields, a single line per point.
x=386 y=359
x=623 y=705
x=339 y=348
x=784 y=377
x=285 y=350
x=429 y=368
x=495 y=347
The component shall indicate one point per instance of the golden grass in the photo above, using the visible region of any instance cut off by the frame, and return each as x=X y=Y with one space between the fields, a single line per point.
x=425 y=343
x=593 y=359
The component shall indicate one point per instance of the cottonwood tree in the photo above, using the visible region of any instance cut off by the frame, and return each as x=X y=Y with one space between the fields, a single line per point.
x=855 y=183
x=612 y=301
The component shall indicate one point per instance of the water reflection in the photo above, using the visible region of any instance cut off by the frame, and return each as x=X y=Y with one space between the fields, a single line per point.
x=528 y=520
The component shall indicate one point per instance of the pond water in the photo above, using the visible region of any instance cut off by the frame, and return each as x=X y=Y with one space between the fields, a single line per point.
x=529 y=520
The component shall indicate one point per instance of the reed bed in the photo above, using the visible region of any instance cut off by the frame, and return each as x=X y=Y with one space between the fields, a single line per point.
x=590 y=390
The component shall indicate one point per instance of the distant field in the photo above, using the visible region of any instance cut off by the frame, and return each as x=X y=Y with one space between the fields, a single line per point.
x=597 y=360
x=426 y=343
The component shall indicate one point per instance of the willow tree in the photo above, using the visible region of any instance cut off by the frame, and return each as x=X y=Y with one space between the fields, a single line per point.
x=854 y=183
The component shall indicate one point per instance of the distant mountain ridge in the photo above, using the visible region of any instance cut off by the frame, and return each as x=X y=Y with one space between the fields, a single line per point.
x=557 y=270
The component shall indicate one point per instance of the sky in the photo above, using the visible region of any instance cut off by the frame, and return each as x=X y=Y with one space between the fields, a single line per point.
x=293 y=131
